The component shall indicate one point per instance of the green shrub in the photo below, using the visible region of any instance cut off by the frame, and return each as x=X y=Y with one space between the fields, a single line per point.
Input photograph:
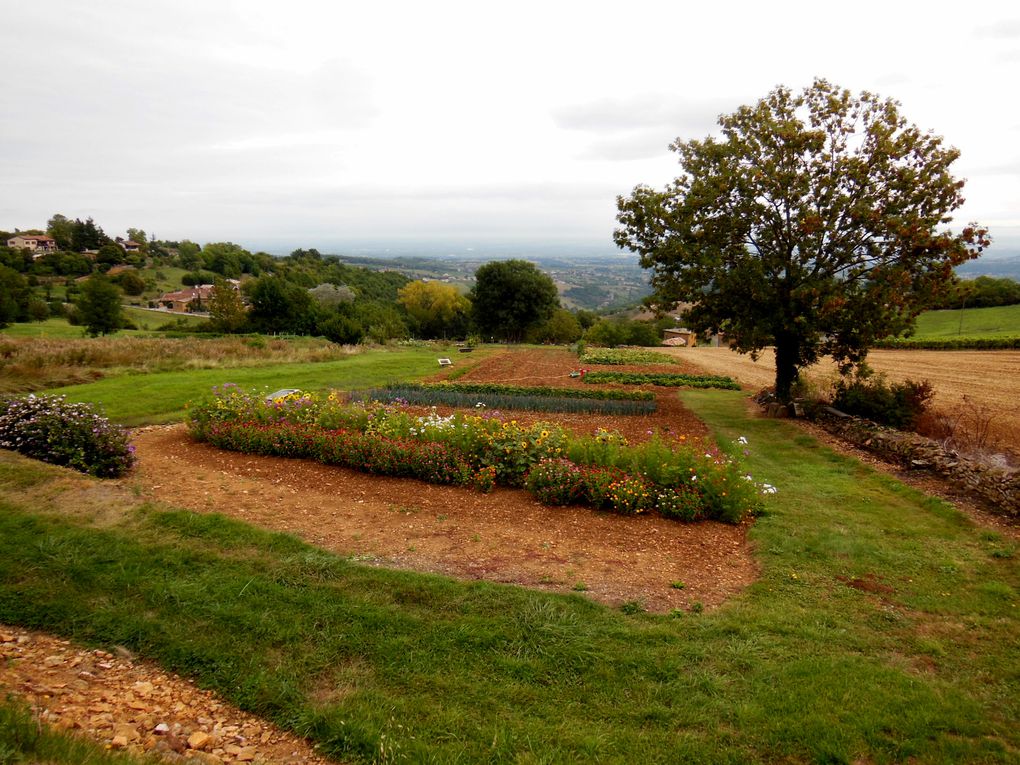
x=48 y=428
x=950 y=343
x=625 y=356
x=898 y=405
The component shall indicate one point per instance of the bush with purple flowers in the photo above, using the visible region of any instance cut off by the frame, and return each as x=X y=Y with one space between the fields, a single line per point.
x=50 y=429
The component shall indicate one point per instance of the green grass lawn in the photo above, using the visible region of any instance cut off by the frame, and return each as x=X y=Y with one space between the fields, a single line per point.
x=919 y=662
x=161 y=397
x=153 y=320
x=1003 y=321
x=146 y=321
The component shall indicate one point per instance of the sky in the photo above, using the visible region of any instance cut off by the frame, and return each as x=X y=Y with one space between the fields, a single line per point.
x=315 y=124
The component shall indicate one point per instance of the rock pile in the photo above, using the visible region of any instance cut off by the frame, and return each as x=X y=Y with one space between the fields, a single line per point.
x=130 y=705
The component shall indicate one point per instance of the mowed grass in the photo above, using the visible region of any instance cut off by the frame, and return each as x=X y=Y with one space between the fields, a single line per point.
x=1002 y=321
x=161 y=397
x=884 y=628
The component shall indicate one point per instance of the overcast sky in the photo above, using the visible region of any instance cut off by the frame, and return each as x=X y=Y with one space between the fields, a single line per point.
x=313 y=123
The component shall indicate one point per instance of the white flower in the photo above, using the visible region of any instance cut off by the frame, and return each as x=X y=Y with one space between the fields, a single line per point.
x=768 y=489
x=742 y=440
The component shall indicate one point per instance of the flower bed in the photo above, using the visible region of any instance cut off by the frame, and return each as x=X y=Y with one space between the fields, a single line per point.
x=665 y=475
x=48 y=428
x=529 y=390
x=663 y=379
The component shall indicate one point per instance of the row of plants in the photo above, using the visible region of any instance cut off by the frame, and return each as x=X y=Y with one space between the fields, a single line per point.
x=663 y=379
x=950 y=343
x=621 y=356
x=665 y=474
x=529 y=390
x=50 y=429
x=543 y=403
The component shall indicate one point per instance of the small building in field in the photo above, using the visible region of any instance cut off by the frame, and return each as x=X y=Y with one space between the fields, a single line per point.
x=128 y=246
x=38 y=244
x=680 y=337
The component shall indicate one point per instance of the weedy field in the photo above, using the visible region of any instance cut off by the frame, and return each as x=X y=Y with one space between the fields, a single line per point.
x=882 y=625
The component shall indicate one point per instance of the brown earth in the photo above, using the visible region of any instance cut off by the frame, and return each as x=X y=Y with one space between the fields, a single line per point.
x=981 y=387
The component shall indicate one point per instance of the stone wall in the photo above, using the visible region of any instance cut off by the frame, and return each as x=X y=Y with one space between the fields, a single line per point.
x=1000 y=488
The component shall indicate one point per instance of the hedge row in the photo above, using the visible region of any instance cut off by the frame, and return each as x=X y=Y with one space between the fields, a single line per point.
x=951 y=344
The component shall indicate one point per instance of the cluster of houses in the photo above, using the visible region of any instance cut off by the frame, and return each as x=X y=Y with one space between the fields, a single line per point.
x=40 y=244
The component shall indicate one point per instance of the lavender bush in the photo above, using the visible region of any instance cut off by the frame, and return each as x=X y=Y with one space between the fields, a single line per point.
x=50 y=429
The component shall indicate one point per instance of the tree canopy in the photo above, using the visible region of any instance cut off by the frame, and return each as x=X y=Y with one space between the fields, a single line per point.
x=510 y=296
x=99 y=306
x=812 y=224
x=437 y=309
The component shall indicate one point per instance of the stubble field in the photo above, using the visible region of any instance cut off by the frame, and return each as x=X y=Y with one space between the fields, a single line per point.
x=979 y=387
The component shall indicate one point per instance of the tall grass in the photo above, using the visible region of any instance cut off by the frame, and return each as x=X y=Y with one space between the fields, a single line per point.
x=30 y=364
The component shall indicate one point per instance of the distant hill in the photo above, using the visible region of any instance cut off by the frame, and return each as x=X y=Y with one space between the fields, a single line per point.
x=1006 y=264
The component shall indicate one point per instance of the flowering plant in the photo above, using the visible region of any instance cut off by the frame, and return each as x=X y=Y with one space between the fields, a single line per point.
x=50 y=429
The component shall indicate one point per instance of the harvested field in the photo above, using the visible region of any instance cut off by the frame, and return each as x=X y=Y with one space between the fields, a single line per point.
x=981 y=387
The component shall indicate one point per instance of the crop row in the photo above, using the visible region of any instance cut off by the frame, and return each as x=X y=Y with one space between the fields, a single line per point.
x=663 y=379
x=625 y=356
x=665 y=474
x=531 y=390
x=438 y=396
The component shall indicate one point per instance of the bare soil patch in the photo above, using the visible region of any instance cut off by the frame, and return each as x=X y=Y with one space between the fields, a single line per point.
x=505 y=536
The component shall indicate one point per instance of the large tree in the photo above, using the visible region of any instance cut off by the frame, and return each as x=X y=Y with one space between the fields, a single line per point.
x=510 y=296
x=814 y=223
x=437 y=309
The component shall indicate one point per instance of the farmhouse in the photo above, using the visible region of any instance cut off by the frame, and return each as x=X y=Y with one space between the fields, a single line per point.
x=128 y=245
x=39 y=244
x=192 y=298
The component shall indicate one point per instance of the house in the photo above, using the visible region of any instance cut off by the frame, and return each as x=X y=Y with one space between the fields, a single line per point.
x=192 y=298
x=189 y=299
x=128 y=245
x=40 y=243
x=680 y=336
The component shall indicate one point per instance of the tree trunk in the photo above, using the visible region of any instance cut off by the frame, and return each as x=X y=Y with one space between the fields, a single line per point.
x=787 y=366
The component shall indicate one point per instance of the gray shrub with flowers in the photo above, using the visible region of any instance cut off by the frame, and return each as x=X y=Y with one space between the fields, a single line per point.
x=50 y=429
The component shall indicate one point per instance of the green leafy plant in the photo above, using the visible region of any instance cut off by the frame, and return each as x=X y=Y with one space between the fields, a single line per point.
x=625 y=356
x=663 y=379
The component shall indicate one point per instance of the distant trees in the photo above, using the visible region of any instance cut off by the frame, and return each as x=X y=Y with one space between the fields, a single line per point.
x=509 y=297
x=435 y=309
x=87 y=236
x=99 y=308
x=226 y=309
x=14 y=296
x=983 y=292
x=560 y=328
